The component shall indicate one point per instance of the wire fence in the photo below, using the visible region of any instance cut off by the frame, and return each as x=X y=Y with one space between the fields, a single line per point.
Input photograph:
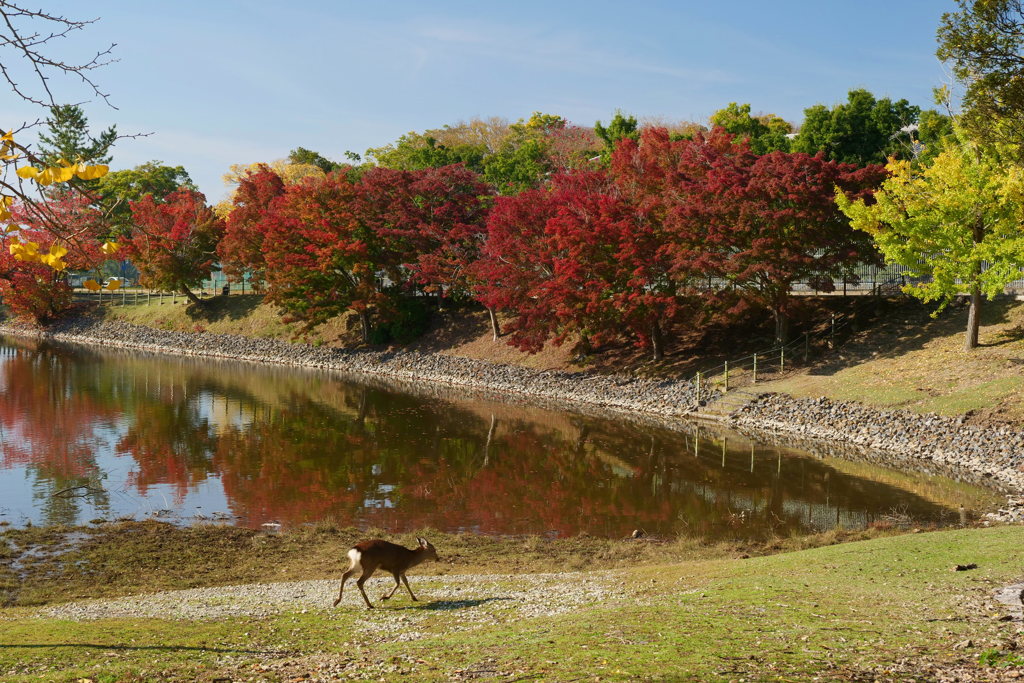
x=134 y=294
x=773 y=362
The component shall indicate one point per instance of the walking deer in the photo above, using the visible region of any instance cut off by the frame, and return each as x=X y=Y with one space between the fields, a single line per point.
x=369 y=556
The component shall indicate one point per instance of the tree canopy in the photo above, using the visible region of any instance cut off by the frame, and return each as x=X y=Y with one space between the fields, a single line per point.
x=153 y=178
x=67 y=138
x=956 y=225
x=765 y=133
x=984 y=41
x=863 y=130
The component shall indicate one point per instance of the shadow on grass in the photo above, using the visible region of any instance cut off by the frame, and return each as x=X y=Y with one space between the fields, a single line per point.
x=174 y=648
x=911 y=328
x=1010 y=336
x=232 y=307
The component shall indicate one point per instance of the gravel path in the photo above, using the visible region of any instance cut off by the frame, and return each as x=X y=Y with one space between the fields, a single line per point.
x=474 y=599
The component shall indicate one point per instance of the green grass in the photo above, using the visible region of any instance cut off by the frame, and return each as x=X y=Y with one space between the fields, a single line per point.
x=833 y=611
x=138 y=557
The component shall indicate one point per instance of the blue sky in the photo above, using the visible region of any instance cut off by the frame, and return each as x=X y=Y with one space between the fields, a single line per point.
x=228 y=81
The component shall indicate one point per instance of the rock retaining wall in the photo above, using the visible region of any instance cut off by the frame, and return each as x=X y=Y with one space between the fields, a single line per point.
x=995 y=453
x=663 y=397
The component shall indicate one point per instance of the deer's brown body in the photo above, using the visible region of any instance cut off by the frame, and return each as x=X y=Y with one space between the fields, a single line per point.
x=367 y=557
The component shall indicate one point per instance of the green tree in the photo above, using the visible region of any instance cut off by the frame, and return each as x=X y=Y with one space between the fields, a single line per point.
x=415 y=152
x=860 y=131
x=934 y=132
x=956 y=224
x=541 y=121
x=984 y=40
x=765 y=133
x=67 y=138
x=118 y=188
x=518 y=167
x=621 y=126
x=301 y=155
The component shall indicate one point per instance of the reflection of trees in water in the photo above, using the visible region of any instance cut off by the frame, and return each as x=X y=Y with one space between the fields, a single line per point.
x=48 y=424
x=297 y=447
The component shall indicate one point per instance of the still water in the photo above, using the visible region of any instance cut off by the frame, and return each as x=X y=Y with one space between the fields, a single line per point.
x=88 y=434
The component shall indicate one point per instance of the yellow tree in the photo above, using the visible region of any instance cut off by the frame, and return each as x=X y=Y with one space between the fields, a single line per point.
x=288 y=172
x=956 y=224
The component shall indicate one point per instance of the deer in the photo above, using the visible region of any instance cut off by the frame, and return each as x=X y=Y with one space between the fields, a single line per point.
x=369 y=556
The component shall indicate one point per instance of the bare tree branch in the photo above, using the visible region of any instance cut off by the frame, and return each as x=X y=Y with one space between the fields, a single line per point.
x=29 y=44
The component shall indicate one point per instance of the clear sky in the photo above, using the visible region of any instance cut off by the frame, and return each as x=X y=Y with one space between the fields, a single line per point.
x=228 y=81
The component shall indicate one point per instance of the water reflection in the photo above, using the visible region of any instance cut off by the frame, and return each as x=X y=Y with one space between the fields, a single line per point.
x=86 y=434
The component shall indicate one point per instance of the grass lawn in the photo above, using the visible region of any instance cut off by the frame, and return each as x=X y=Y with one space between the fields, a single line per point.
x=854 y=610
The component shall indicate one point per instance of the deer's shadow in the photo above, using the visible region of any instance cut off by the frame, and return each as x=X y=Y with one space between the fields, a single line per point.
x=447 y=605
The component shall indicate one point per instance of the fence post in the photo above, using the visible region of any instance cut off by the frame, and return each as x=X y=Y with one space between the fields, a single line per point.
x=754 y=379
x=727 y=375
x=782 y=360
x=698 y=388
x=832 y=337
x=807 y=346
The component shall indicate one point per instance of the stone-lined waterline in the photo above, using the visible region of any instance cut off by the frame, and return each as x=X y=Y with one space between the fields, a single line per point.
x=91 y=434
x=995 y=452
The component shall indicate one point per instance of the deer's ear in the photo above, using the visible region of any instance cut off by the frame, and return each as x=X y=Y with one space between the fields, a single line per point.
x=423 y=542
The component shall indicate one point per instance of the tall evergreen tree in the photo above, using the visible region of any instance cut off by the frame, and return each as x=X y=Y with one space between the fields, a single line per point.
x=68 y=138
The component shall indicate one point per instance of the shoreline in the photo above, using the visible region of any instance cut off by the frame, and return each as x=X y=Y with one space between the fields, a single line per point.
x=991 y=455
x=663 y=397
x=996 y=454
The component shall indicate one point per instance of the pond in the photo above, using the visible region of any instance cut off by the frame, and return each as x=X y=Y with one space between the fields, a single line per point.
x=89 y=434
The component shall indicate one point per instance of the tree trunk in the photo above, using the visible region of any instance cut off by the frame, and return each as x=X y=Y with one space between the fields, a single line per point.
x=657 y=341
x=364 y=318
x=974 y=312
x=973 y=319
x=495 y=327
x=781 y=327
x=190 y=295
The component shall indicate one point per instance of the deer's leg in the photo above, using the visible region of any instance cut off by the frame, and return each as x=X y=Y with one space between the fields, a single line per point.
x=406 y=581
x=344 y=578
x=367 y=573
x=397 y=584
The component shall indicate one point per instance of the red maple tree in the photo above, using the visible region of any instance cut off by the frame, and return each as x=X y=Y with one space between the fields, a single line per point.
x=241 y=249
x=173 y=243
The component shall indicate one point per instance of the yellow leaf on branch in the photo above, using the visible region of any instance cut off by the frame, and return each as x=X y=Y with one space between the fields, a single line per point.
x=109 y=248
x=92 y=285
x=25 y=251
x=113 y=284
x=64 y=174
x=91 y=172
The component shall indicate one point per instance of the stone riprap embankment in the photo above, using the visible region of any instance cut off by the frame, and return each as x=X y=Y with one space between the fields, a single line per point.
x=663 y=397
x=996 y=453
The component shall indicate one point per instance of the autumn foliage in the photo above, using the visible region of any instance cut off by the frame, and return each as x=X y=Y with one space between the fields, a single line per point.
x=174 y=241
x=241 y=249
x=670 y=231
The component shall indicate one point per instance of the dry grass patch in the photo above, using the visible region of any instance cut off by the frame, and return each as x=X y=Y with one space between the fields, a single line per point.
x=916 y=362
